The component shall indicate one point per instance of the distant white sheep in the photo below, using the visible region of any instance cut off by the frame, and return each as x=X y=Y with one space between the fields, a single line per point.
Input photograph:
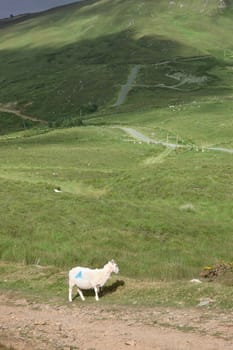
x=86 y=278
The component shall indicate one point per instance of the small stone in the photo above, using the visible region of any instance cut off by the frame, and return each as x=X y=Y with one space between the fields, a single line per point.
x=195 y=280
x=130 y=343
x=205 y=302
x=40 y=323
x=59 y=326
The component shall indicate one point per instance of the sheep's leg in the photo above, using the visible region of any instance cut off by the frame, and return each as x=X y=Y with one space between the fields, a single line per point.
x=81 y=294
x=70 y=292
x=96 y=293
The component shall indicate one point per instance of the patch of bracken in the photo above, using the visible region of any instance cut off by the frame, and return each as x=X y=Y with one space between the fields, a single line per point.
x=218 y=270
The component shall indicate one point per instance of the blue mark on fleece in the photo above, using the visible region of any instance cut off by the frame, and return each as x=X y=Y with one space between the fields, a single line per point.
x=79 y=275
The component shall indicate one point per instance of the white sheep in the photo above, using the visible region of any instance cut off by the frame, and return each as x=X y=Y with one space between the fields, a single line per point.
x=86 y=278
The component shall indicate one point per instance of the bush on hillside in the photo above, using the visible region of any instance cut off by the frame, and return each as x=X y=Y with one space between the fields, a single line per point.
x=67 y=122
x=88 y=108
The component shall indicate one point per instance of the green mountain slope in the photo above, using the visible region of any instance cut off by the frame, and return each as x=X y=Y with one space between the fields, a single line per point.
x=92 y=193
x=72 y=61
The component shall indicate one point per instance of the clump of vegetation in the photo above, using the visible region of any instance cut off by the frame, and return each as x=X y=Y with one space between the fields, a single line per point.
x=11 y=123
x=189 y=207
x=88 y=108
x=67 y=122
x=222 y=271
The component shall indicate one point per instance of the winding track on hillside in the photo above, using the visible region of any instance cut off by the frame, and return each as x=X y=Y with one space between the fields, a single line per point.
x=132 y=132
x=140 y=137
x=125 y=88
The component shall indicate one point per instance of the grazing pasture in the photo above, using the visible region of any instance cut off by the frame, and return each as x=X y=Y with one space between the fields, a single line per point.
x=114 y=202
x=76 y=189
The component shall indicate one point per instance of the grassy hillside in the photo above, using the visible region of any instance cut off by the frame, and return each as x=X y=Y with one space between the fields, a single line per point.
x=168 y=213
x=70 y=62
x=161 y=213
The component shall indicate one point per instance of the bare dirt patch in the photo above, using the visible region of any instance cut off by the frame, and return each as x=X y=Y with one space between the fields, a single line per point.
x=13 y=109
x=25 y=324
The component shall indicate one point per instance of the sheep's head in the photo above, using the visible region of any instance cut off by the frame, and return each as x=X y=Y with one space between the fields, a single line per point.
x=113 y=266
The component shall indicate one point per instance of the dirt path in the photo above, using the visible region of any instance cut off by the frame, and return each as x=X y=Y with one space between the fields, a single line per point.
x=23 y=116
x=136 y=134
x=127 y=87
x=134 y=71
x=140 y=137
x=29 y=325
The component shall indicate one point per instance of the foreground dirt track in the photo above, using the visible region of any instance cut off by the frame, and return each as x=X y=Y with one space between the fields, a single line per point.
x=29 y=325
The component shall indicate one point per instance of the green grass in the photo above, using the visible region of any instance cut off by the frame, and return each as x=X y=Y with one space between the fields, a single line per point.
x=49 y=284
x=113 y=204
x=161 y=214
x=204 y=123
x=11 y=123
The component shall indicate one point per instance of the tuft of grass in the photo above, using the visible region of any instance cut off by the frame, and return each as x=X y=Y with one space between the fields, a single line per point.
x=189 y=207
